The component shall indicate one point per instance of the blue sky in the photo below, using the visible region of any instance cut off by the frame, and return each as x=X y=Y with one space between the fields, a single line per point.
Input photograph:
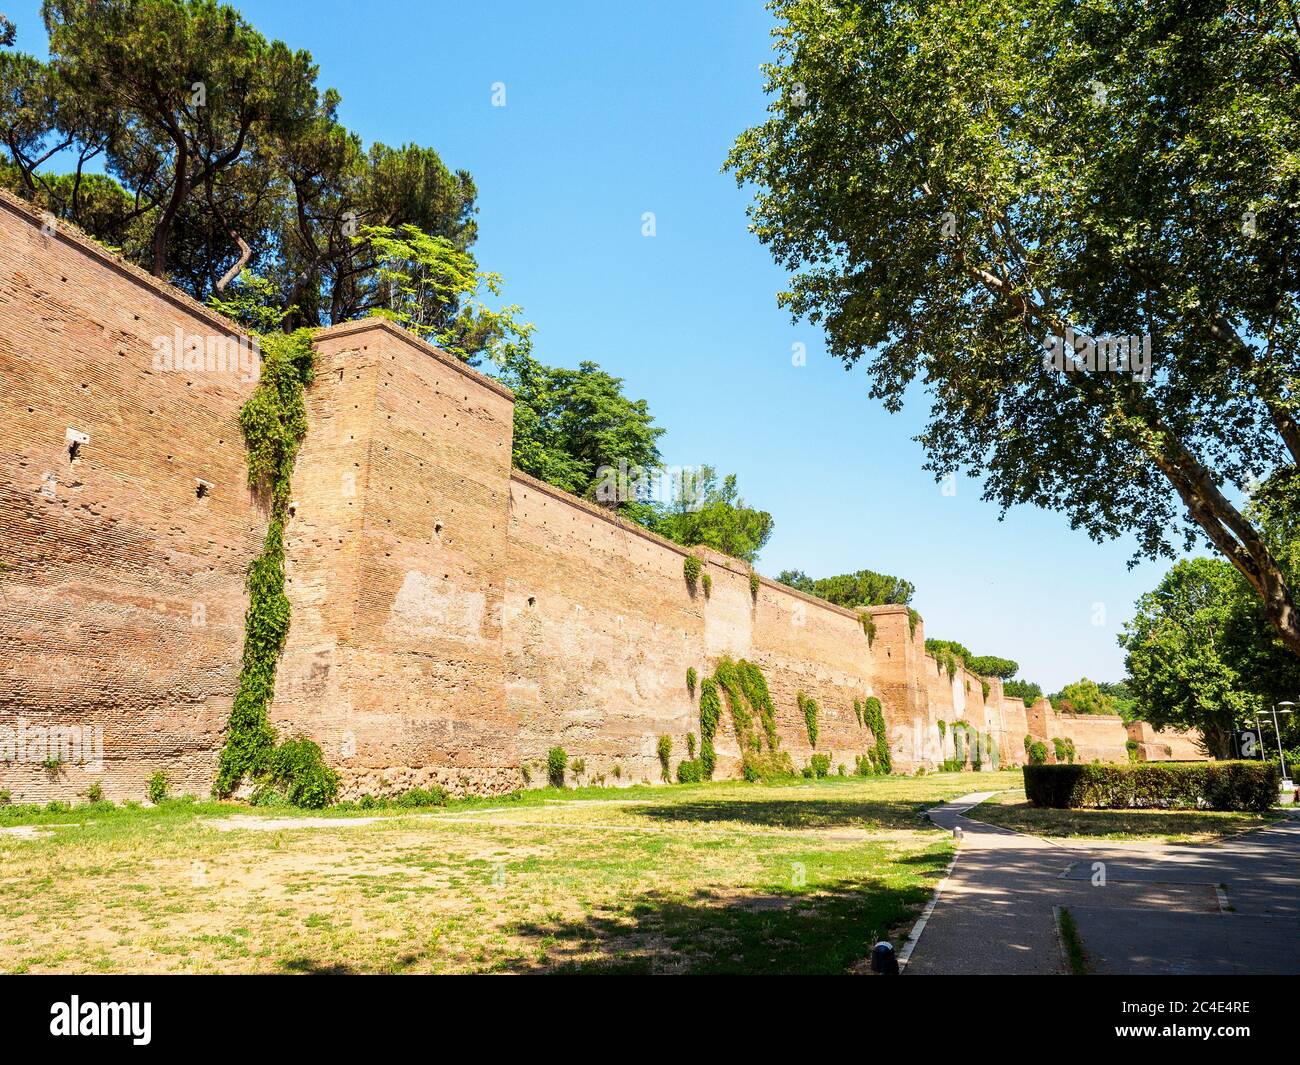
x=613 y=110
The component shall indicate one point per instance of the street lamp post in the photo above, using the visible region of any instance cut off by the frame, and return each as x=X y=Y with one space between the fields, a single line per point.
x=1287 y=784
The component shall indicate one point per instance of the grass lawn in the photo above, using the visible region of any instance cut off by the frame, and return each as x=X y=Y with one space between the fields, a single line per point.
x=722 y=877
x=1012 y=810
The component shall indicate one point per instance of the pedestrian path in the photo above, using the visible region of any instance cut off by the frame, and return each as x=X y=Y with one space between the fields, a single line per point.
x=1230 y=907
x=993 y=914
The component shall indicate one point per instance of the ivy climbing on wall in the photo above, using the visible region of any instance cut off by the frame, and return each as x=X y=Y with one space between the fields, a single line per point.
x=691 y=571
x=868 y=626
x=873 y=715
x=753 y=718
x=710 y=714
x=274 y=423
x=809 y=707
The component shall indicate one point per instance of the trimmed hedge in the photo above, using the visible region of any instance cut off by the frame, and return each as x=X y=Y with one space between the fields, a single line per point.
x=1155 y=786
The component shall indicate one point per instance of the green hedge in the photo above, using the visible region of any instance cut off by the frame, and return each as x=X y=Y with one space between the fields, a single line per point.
x=1155 y=786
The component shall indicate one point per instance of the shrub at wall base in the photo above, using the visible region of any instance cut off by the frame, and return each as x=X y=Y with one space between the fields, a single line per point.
x=1155 y=786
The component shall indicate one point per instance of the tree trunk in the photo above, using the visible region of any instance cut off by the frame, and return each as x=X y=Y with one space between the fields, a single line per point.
x=162 y=231
x=1237 y=540
x=1218 y=741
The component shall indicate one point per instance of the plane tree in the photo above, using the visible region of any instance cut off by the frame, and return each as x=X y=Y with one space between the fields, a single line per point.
x=968 y=194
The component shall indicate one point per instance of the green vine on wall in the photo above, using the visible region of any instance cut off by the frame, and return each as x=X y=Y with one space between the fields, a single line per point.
x=912 y=618
x=1064 y=749
x=753 y=585
x=274 y=423
x=710 y=714
x=748 y=699
x=664 y=748
x=874 y=716
x=809 y=707
x=868 y=626
x=754 y=685
x=944 y=657
x=691 y=571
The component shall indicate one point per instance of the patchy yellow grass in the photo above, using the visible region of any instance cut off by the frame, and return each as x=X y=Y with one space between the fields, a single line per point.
x=718 y=877
x=1012 y=810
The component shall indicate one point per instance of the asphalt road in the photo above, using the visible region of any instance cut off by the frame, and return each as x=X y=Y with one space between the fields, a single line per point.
x=1226 y=908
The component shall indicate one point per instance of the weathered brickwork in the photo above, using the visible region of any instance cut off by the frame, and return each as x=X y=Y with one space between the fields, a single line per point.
x=396 y=562
x=1165 y=745
x=452 y=619
x=601 y=628
x=1104 y=738
x=121 y=594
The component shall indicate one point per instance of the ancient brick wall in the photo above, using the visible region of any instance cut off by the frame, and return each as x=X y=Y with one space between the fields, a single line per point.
x=1104 y=737
x=452 y=619
x=1165 y=745
x=395 y=562
x=1097 y=737
x=601 y=628
x=122 y=591
x=1013 y=718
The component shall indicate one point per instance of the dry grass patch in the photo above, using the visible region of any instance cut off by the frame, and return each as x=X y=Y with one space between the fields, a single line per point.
x=710 y=878
x=1013 y=810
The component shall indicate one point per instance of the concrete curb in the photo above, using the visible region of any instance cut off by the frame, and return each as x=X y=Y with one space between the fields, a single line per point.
x=914 y=936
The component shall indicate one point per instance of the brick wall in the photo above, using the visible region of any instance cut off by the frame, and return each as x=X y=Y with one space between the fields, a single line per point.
x=1165 y=745
x=121 y=596
x=1097 y=737
x=396 y=563
x=452 y=619
x=601 y=627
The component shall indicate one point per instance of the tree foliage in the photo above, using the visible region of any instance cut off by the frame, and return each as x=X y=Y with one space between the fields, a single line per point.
x=1199 y=654
x=186 y=101
x=221 y=154
x=577 y=430
x=569 y=424
x=429 y=286
x=993 y=666
x=954 y=184
x=1023 y=689
x=862 y=588
x=1125 y=704
x=1084 y=697
x=952 y=653
x=713 y=513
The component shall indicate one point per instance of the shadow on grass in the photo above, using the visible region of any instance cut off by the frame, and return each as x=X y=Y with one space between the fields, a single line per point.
x=1202 y=825
x=313 y=967
x=794 y=813
x=828 y=931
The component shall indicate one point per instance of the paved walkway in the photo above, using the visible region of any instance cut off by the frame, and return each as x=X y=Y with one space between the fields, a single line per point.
x=1230 y=907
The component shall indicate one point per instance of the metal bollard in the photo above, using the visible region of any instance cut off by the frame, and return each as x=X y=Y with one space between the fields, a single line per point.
x=883 y=960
